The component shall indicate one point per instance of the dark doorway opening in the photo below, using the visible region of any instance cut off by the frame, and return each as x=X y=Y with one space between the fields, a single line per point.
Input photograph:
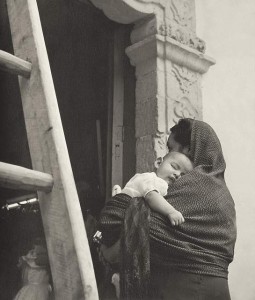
x=80 y=45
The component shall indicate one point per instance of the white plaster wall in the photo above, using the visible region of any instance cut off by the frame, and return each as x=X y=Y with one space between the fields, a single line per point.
x=228 y=27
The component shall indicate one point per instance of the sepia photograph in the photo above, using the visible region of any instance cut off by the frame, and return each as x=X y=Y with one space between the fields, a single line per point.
x=127 y=138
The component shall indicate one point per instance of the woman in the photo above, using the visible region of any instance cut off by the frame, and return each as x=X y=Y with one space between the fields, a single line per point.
x=186 y=262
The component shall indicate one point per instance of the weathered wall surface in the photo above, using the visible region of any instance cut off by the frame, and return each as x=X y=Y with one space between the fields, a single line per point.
x=228 y=27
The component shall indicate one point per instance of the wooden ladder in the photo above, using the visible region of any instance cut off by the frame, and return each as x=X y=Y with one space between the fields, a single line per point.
x=52 y=177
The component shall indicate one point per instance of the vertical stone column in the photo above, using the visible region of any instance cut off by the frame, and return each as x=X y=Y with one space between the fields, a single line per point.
x=169 y=61
x=147 y=55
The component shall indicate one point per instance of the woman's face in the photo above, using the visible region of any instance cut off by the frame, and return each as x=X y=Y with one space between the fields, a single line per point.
x=175 y=146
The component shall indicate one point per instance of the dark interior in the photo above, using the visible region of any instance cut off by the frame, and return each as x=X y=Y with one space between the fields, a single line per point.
x=79 y=41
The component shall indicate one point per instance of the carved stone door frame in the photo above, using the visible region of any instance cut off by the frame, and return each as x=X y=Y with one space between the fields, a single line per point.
x=169 y=60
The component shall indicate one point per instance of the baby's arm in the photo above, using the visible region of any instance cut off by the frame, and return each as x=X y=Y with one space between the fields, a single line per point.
x=159 y=204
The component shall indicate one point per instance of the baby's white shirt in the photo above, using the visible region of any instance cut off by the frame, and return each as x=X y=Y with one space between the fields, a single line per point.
x=143 y=183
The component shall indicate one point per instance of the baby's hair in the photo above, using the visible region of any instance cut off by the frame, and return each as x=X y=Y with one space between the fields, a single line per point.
x=175 y=153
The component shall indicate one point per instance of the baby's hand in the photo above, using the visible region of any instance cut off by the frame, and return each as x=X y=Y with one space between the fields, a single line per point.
x=176 y=218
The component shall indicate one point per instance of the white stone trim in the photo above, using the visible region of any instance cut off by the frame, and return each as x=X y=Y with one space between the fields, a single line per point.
x=168 y=48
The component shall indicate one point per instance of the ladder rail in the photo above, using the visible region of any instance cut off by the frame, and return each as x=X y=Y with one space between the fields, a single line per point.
x=21 y=198
x=68 y=247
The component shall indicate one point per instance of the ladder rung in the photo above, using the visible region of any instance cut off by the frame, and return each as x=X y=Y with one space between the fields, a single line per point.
x=21 y=198
x=20 y=178
x=17 y=202
x=14 y=65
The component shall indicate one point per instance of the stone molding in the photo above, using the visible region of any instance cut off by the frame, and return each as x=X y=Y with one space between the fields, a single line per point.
x=172 y=22
x=175 y=18
x=127 y=11
x=170 y=49
x=183 y=55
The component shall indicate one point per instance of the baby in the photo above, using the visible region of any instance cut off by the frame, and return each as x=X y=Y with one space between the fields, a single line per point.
x=153 y=186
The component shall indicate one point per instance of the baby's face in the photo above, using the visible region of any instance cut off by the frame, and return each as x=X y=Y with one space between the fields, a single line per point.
x=173 y=166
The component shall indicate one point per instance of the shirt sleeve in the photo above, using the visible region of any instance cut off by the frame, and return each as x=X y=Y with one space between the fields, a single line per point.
x=146 y=182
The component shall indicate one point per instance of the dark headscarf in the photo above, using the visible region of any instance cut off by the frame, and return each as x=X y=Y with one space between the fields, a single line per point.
x=204 y=244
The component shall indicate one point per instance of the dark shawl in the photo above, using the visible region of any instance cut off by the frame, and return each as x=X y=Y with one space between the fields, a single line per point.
x=204 y=244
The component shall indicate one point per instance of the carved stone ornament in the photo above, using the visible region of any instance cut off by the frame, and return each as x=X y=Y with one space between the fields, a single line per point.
x=182 y=36
x=182 y=12
x=160 y=144
x=184 y=77
x=183 y=108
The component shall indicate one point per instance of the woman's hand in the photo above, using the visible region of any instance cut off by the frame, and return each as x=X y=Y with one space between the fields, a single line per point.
x=109 y=254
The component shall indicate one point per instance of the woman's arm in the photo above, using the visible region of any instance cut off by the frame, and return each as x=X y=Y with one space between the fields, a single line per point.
x=159 y=204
